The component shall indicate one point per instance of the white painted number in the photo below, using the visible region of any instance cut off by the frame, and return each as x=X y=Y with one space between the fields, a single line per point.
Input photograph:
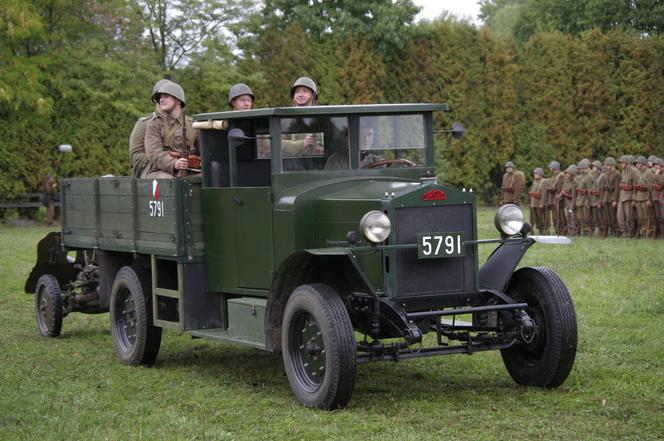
x=156 y=208
x=435 y=245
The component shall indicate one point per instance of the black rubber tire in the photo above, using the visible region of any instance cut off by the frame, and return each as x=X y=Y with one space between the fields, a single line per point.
x=48 y=306
x=318 y=347
x=135 y=338
x=548 y=359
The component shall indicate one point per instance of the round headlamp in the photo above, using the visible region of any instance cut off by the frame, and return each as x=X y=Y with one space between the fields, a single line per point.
x=509 y=219
x=375 y=226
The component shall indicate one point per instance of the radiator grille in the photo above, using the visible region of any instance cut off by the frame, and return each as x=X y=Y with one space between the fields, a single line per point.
x=423 y=277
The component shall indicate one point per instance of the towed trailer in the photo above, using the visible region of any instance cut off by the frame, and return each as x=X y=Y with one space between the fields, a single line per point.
x=319 y=232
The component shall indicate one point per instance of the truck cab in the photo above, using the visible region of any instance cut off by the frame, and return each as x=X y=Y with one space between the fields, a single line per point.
x=319 y=232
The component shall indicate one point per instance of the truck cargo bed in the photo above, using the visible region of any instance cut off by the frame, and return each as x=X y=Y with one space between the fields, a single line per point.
x=160 y=217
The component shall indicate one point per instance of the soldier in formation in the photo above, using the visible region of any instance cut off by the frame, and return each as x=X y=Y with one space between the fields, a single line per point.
x=594 y=197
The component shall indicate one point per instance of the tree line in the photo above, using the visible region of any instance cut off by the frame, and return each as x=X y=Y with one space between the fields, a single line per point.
x=80 y=72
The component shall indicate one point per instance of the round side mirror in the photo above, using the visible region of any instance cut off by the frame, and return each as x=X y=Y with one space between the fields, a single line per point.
x=458 y=130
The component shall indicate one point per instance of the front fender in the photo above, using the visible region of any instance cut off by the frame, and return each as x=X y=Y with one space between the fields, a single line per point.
x=497 y=271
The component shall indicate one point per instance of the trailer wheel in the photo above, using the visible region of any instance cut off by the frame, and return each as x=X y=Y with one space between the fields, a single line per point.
x=135 y=339
x=318 y=347
x=544 y=359
x=48 y=306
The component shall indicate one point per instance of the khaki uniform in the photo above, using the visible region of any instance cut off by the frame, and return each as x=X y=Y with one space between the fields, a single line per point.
x=511 y=189
x=657 y=195
x=643 y=203
x=555 y=207
x=137 y=155
x=537 y=200
x=567 y=200
x=595 y=195
x=582 y=203
x=610 y=193
x=163 y=136
x=625 y=211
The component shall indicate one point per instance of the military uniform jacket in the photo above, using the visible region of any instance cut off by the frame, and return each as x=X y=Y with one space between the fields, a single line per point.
x=642 y=186
x=555 y=184
x=511 y=188
x=538 y=193
x=137 y=155
x=568 y=193
x=611 y=186
x=627 y=181
x=657 y=187
x=164 y=135
x=595 y=190
x=584 y=183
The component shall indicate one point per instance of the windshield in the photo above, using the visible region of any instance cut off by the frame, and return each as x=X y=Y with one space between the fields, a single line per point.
x=323 y=142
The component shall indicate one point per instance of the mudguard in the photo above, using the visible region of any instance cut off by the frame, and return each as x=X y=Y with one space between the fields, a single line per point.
x=52 y=259
x=496 y=273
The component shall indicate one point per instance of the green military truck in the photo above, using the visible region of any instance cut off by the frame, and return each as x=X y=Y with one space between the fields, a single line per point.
x=318 y=232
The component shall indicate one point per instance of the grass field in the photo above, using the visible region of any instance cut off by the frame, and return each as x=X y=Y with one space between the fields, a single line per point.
x=72 y=387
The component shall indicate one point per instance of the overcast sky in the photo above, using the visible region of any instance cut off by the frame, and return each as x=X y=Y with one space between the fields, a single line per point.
x=461 y=8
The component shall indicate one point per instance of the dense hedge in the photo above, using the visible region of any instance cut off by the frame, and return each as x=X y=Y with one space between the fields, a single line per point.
x=555 y=97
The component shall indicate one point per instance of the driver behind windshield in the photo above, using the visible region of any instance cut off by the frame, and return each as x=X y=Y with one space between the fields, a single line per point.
x=339 y=160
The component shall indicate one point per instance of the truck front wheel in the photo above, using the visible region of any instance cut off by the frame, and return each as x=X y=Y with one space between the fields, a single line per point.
x=48 y=306
x=319 y=349
x=135 y=339
x=544 y=358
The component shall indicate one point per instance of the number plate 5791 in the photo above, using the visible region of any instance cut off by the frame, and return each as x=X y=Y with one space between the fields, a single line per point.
x=437 y=245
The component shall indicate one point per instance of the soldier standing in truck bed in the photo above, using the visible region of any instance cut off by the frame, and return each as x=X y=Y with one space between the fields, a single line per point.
x=170 y=138
x=568 y=199
x=511 y=186
x=137 y=155
x=626 y=205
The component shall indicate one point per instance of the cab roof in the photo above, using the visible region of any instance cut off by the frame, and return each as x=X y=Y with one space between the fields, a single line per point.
x=356 y=109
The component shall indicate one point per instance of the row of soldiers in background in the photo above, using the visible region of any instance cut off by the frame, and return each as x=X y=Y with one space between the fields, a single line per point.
x=589 y=197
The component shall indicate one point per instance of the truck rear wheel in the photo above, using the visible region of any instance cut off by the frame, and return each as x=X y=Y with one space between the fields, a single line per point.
x=318 y=347
x=135 y=339
x=544 y=359
x=48 y=306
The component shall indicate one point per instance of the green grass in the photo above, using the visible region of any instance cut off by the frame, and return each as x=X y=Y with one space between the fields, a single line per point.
x=72 y=387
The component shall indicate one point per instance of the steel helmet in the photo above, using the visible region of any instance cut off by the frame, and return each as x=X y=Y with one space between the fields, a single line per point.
x=584 y=163
x=538 y=171
x=610 y=161
x=240 y=89
x=156 y=87
x=642 y=160
x=572 y=169
x=659 y=161
x=554 y=165
x=306 y=82
x=652 y=158
x=509 y=164
x=597 y=163
x=172 y=89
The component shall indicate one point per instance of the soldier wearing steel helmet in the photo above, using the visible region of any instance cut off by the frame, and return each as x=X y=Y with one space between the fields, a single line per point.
x=595 y=195
x=137 y=155
x=537 y=197
x=568 y=198
x=610 y=188
x=511 y=186
x=241 y=97
x=170 y=139
x=626 y=205
x=582 y=201
x=304 y=92
x=642 y=199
